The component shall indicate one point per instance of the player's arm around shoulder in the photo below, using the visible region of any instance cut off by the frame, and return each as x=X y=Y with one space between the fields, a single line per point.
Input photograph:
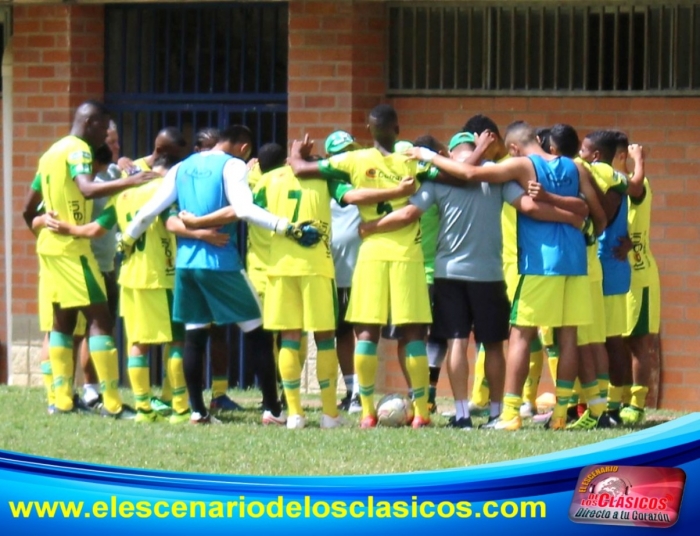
x=372 y=196
x=423 y=199
x=597 y=214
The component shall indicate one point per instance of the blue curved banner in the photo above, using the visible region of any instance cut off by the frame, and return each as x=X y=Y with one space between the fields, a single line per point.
x=641 y=482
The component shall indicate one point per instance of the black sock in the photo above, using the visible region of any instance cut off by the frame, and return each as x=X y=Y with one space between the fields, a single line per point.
x=193 y=358
x=261 y=346
x=434 y=374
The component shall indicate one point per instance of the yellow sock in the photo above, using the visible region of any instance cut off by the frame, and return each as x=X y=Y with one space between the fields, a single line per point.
x=366 y=370
x=61 y=360
x=614 y=398
x=176 y=373
x=166 y=392
x=576 y=394
x=511 y=406
x=219 y=386
x=596 y=404
x=480 y=389
x=532 y=383
x=419 y=373
x=638 y=397
x=140 y=378
x=327 y=374
x=603 y=383
x=552 y=364
x=290 y=370
x=564 y=390
x=48 y=382
x=626 y=394
x=303 y=349
x=104 y=356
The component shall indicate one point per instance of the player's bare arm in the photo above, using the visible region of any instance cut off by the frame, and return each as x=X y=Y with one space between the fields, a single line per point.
x=89 y=230
x=391 y=222
x=31 y=208
x=597 y=214
x=372 y=196
x=212 y=236
x=538 y=210
x=91 y=189
x=571 y=204
x=303 y=168
x=215 y=219
x=635 y=187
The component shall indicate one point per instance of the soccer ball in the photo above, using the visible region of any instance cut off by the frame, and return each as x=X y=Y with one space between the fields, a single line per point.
x=394 y=410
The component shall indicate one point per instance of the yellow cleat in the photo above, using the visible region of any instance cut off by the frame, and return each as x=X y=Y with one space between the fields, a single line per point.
x=516 y=423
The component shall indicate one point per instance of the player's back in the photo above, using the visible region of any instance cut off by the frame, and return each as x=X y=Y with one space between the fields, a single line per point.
x=284 y=195
x=550 y=248
x=201 y=191
x=151 y=263
x=639 y=225
x=66 y=159
x=258 y=254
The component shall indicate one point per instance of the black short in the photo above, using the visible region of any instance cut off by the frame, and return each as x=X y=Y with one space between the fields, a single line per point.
x=461 y=305
x=112 y=288
x=342 y=327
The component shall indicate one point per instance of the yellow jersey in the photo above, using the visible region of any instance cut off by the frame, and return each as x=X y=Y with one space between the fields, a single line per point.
x=283 y=194
x=58 y=167
x=639 y=223
x=151 y=264
x=509 y=229
x=259 y=239
x=369 y=168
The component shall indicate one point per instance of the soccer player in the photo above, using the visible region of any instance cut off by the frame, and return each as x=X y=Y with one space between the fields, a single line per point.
x=206 y=139
x=169 y=144
x=599 y=149
x=146 y=279
x=553 y=287
x=68 y=188
x=643 y=298
x=388 y=284
x=470 y=291
x=211 y=286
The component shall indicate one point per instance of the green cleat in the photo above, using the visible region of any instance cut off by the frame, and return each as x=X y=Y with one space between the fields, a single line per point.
x=180 y=418
x=148 y=416
x=161 y=406
x=631 y=415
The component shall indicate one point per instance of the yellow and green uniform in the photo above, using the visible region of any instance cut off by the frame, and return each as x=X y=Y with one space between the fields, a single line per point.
x=388 y=284
x=300 y=293
x=72 y=270
x=259 y=240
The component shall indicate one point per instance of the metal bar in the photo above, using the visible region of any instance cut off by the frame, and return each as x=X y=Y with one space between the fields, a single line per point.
x=227 y=64
x=486 y=82
x=497 y=38
x=455 y=48
x=149 y=127
x=415 y=46
x=470 y=56
x=241 y=82
x=442 y=49
x=183 y=31
x=673 y=73
x=512 y=48
x=273 y=55
x=572 y=40
x=527 y=47
x=540 y=93
x=691 y=46
x=197 y=50
x=601 y=43
x=427 y=48
x=646 y=84
x=154 y=33
x=400 y=47
x=586 y=44
x=125 y=54
x=168 y=26
x=212 y=51
x=616 y=47
x=630 y=65
x=555 y=81
x=258 y=38
x=660 y=55
x=139 y=57
x=542 y=28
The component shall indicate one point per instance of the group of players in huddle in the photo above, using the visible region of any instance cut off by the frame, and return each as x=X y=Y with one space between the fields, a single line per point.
x=534 y=238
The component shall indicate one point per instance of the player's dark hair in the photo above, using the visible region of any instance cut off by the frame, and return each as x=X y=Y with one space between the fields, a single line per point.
x=102 y=155
x=565 y=138
x=97 y=108
x=271 y=156
x=479 y=123
x=543 y=136
x=204 y=135
x=524 y=132
x=428 y=141
x=605 y=142
x=174 y=135
x=623 y=141
x=164 y=161
x=384 y=115
x=236 y=134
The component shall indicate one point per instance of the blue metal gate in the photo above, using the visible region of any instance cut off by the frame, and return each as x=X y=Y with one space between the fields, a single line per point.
x=192 y=66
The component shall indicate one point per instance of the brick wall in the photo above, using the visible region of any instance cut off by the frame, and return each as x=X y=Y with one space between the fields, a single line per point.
x=58 y=63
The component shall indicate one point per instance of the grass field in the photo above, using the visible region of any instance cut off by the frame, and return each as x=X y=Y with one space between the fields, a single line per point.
x=243 y=446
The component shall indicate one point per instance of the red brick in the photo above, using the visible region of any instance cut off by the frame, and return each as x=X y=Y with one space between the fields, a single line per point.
x=55 y=55
x=41 y=71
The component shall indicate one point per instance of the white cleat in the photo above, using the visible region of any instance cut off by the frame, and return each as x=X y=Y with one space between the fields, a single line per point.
x=526 y=411
x=295 y=422
x=332 y=422
x=269 y=418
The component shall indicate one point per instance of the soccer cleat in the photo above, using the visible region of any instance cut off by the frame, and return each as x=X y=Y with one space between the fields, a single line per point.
x=516 y=423
x=161 y=406
x=125 y=414
x=572 y=414
x=585 y=422
x=465 y=423
x=223 y=403
x=432 y=408
x=198 y=418
x=180 y=418
x=296 y=422
x=355 y=405
x=147 y=416
x=478 y=411
x=555 y=423
x=526 y=411
x=615 y=418
x=490 y=424
x=344 y=404
x=269 y=418
x=542 y=417
x=368 y=422
x=631 y=415
x=93 y=403
x=419 y=422
x=332 y=422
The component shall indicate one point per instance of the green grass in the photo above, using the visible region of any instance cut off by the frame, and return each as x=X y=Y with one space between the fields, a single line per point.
x=243 y=446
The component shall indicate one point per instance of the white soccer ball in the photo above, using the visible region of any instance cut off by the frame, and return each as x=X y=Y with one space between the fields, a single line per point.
x=394 y=410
